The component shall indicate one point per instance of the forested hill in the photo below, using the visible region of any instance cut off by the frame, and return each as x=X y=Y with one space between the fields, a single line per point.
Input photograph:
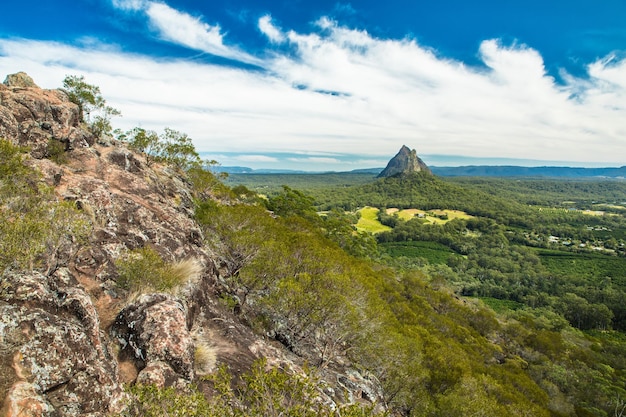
x=135 y=283
x=423 y=191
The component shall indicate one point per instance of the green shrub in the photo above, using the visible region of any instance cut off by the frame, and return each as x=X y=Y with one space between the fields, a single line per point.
x=144 y=270
x=36 y=231
x=55 y=151
x=262 y=392
x=151 y=401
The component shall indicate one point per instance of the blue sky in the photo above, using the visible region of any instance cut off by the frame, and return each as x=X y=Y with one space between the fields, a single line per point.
x=327 y=85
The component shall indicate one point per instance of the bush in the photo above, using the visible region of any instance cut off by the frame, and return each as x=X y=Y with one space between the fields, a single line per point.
x=143 y=270
x=261 y=392
x=36 y=231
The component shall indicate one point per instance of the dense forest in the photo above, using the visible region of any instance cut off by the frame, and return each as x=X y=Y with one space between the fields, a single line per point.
x=545 y=254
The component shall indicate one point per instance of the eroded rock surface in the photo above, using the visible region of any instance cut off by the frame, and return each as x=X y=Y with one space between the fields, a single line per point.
x=54 y=359
x=33 y=117
x=153 y=331
x=57 y=332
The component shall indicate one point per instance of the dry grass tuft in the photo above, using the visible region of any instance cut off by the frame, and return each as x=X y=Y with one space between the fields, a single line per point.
x=205 y=354
x=185 y=272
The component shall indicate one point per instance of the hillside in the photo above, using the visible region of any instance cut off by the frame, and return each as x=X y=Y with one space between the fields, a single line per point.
x=136 y=283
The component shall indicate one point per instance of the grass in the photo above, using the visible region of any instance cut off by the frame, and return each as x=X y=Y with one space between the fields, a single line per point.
x=369 y=217
x=205 y=357
x=143 y=270
x=432 y=216
x=369 y=221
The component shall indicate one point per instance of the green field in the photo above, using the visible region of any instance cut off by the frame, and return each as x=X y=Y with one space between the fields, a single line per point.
x=368 y=222
x=501 y=306
x=591 y=265
x=433 y=252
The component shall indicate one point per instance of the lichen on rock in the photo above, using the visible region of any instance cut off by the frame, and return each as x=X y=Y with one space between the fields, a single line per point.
x=54 y=357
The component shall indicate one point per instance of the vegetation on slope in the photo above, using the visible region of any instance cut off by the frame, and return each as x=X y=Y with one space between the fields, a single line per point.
x=325 y=292
x=33 y=225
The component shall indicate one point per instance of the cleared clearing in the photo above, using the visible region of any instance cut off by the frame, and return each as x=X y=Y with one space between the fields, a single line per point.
x=432 y=216
x=369 y=221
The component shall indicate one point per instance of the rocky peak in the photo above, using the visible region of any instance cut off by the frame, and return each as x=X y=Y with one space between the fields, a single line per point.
x=71 y=338
x=20 y=79
x=39 y=119
x=405 y=162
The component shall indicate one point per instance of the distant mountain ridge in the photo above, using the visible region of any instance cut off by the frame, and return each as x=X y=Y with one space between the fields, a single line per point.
x=466 y=171
x=518 y=171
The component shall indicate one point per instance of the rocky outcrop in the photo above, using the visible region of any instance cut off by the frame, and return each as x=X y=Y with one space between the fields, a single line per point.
x=405 y=162
x=60 y=333
x=37 y=118
x=153 y=333
x=54 y=359
x=20 y=80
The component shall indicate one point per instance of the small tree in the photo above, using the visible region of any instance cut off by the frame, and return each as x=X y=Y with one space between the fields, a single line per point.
x=172 y=147
x=89 y=99
x=144 y=141
x=178 y=149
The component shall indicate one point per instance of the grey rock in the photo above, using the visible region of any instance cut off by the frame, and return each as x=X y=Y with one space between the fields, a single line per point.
x=405 y=162
x=154 y=329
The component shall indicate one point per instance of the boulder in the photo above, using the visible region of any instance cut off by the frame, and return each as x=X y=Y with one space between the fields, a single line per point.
x=153 y=332
x=31 y=116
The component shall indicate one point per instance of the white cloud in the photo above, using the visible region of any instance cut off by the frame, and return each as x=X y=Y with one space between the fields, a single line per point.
x=256 y=158
x=129 y=4
x=316 y=160
x=273 y=33
x=183 y=29
x=392 y=92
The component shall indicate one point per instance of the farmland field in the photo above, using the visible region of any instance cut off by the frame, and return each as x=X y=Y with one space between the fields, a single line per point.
x=369 y=221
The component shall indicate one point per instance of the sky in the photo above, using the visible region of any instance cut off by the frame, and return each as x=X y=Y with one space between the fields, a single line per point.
x=337 y=85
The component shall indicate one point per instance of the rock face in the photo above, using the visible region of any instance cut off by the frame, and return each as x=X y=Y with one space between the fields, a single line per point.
x=153 y=332
x=54 y=358
x=405 y=162
x=30 y=116
x=70 y=338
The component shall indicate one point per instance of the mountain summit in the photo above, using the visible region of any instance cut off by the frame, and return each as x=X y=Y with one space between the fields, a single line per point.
x=406 y=161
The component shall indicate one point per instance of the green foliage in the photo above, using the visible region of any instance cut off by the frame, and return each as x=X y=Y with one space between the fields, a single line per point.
x=596 y=266
x=144 y=141
x=55 y=151
x=143 y=270
x=36 y=231
x=262 y=392
x=433 y=252
x=206 y=184
x=434 y=351
x=172 y=147
x=151 y=401
x=178 y=149
x=501 y=306
x=90 y=100
x=292 y=202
